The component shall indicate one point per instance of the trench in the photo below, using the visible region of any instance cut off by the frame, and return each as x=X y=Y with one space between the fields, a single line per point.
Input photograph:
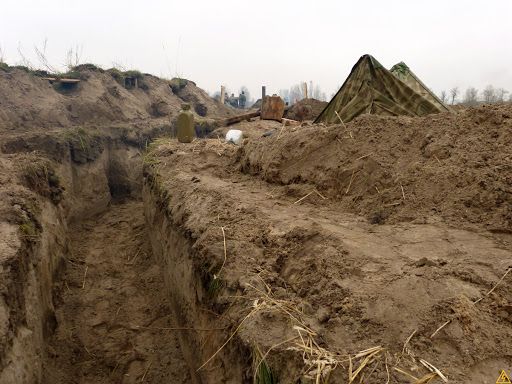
x=113 y=323
x=113 y=320
x=99 y=304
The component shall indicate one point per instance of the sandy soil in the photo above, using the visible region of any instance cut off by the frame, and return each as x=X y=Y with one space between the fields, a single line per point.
x=306 y=109
x=354 y=282
x=29 y=103
x=111 y=319
x=307 y=244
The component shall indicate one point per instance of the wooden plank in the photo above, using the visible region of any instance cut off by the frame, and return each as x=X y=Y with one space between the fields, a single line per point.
x=237 y=119
x=69 y=81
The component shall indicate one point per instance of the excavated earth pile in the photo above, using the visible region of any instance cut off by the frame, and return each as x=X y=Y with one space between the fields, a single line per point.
x=376 y=252
x=305 y=109
x=368 y=252
x=29 y=102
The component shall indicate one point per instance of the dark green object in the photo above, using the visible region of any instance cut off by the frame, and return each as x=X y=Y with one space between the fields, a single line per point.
x=185 y=131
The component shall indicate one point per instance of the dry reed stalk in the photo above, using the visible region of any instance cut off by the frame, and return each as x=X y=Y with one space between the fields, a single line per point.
x=319 y=362
x=115 y=316
x=344 y=126
x=113 y=371
x=377 y=189
x=319 y=194
x=271 y=193
x=225 y=253
x=86 y=350
x=387 y=369
x=495 y=286
x=405 y=348
x=350 y=183
x=437 y=158
x=426 y=379
x=362 y=157
x=441 y=327
x=403 y=193
x=134 y=257
x=146 y=371
x=405 y=373
x=263 y=357
x=253 y=311
x=85 y=275
x=370 y=373
x=280 y=131
x=133 y=327
x=368 y=355
x=302 y=198
x=433 y=369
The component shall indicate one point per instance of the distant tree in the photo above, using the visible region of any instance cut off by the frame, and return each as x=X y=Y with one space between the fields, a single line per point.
x=443 y=96
x=453 y=93
x=296 y=93
x=500 y=94
x=2 y=56
x=316 y=93
x=471 y=96
x=489 y=94
x=285 y=94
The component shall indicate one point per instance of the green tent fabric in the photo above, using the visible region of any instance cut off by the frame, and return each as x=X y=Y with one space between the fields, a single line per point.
x=404 y=73
x=372 y=89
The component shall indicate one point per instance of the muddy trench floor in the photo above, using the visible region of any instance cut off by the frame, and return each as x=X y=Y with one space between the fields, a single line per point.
x=112 y=320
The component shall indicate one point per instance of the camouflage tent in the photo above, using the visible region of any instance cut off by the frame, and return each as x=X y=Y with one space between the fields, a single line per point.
x=404 y=73
x=371 y=88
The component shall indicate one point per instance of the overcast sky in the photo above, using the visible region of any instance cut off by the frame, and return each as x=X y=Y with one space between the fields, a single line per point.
x=275 y=43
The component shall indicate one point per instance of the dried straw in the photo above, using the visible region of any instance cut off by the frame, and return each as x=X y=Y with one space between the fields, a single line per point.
x=441 y=327
x=85 y=274
x=350 y=183
x=495 y=286
x=433 y=369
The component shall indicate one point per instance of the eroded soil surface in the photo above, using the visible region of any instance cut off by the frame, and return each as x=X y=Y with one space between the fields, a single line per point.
x=356 y=283
x=111 y=312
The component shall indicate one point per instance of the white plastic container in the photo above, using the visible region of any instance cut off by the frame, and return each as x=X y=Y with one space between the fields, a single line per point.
x=234 y=136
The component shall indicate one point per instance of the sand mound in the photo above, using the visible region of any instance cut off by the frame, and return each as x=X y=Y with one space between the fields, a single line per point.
x=306 y=109
x=29 y=102
x=296 y=261
x=451 y=166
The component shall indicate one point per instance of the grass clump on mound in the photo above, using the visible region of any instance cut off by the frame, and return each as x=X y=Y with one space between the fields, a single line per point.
x=263 y=374
x=40 y=177
x=87 y=67
x=177 y=84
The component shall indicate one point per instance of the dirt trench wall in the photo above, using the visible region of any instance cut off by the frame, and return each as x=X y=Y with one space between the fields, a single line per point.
x=30 y=262
x=174 y=252
x=29 y=310
x=90 y=187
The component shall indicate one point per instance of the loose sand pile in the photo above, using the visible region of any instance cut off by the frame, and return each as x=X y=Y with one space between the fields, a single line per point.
x=451 y=167
x=290 y=270
x=306 y=109
x=29 y=102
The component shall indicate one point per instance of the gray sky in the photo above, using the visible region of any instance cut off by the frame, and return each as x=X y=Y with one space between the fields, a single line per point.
x=278 y=43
